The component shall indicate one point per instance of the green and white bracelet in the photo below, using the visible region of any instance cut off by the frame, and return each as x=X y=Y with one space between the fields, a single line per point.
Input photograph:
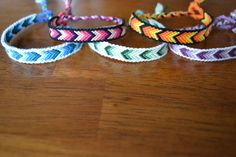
x=128 y=54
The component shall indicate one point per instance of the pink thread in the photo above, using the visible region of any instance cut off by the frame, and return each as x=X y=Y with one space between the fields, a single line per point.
x=63 y=20
x=68 y=7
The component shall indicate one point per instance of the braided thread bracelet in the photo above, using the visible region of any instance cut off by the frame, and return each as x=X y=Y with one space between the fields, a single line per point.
x=59 y=31
x=35 y=55
x=139 y=24
x=213 y=54
x=129 y=54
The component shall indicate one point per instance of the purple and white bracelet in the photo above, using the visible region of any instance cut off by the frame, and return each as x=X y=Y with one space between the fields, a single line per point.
x=213 y=54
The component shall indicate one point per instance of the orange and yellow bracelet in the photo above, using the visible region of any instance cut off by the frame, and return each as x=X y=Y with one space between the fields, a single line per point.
x=138 y=23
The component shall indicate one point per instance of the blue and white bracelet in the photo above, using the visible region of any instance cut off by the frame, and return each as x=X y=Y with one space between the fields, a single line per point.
x=35 y=55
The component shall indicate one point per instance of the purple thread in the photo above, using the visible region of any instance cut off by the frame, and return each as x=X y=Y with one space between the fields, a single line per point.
x=218 y=54
x=232 y=53
x=202 y=55
x=184 y=51
x=226 y=22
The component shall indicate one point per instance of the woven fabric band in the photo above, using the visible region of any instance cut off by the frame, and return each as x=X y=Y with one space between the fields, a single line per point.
x=35 y=55
x=62 y=33
x=128 y=54
x=138 y=24
x=213 y=54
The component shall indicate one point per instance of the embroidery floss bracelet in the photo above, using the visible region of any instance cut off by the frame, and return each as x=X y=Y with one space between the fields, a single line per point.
x=138 y=24
x=59 y=32
x=213 y=54
x=129 y=54
x=35 y=55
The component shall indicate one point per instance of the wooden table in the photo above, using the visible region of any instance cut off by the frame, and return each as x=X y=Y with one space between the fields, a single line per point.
x=90 y=106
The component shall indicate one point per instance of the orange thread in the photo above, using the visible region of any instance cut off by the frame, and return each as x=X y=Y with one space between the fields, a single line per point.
x=196 y=12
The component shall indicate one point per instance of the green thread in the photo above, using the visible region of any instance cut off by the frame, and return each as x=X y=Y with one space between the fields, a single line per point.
x=145 y=54
x=96 y=45
x=161 y=51
x=126 y=54
x=109 y=50
x=130 y=54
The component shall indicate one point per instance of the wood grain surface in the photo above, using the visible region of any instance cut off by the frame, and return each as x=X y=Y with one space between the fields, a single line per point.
x=90 y=106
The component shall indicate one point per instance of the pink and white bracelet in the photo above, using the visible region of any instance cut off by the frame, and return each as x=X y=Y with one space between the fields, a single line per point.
x=60 y=32
x=213 y=54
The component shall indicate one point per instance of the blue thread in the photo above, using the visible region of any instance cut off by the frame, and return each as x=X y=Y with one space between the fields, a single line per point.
x=44 y=16
x=69 y=49
x=159 y=8
x=17 y=29
x=139 y=12
x=31 y=56
x=14 y=54
x=51 y=54
x=9 y=36
x=29 y=22
x=43 y=4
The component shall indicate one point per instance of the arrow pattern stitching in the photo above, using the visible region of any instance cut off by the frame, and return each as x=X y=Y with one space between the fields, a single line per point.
x=88 y=35
x=210 y=55
x=169 y=36
x=35 y=56
x=127 y=54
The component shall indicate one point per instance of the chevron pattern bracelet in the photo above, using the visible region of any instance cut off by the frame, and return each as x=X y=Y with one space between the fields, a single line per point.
x=213 y=54
x=128 y=54
x=60 y=33
x=35 y=55
x=138 y=24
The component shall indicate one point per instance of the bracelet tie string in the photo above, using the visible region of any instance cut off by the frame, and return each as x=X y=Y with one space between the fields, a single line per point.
x=63 y=16
x=226 y=22
x=45 y=14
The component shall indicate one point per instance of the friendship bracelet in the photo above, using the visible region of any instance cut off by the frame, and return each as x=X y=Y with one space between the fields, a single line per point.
x=87 y=35
x=213 y=54
x=138 y=24
x=59 y=32
x=35 y=55
x=129 y=54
